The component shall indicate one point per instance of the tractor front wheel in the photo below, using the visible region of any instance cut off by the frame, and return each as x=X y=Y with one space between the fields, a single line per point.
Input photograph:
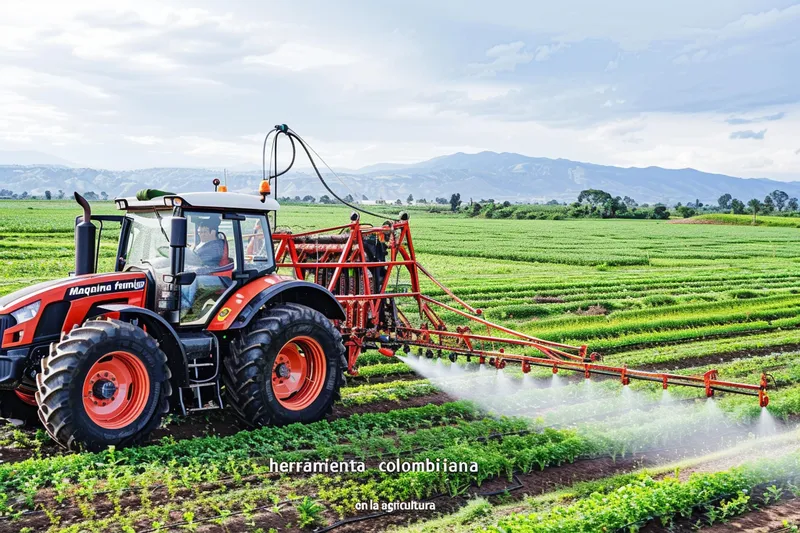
x=106 y=383
x=286 y=366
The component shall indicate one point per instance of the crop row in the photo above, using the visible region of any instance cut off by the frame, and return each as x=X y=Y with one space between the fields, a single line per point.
x=389 y=391
x=675 y=353
x=721 y=495
x=219 y=452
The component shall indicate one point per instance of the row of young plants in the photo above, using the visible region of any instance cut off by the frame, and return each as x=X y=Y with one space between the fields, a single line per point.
x=719 y=495
x=594 y=327
x=674 y=354
x=392 y=391
x=751 y=325
x=493 y=458
x=651 y=295
x=220 y=452
x=651 y=304
x=584 y=282
x=187 y=481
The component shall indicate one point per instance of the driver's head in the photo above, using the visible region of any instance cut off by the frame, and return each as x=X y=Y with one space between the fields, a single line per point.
x=207 y=228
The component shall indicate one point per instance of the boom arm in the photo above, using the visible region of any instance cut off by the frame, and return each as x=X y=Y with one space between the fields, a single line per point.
x=356 y=263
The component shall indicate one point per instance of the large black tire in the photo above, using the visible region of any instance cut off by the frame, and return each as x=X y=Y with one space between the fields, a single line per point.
x=12 y=408
x=64 y=371
x=249 y=366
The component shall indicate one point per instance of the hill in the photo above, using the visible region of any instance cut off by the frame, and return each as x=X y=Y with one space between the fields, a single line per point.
x=502 y=176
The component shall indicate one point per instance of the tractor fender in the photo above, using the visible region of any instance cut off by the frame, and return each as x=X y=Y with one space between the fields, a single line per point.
x=238 y=310
x=159 y=329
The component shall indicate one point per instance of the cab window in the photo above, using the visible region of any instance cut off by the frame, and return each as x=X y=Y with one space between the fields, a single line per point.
x=257 y=243
x=210 y=253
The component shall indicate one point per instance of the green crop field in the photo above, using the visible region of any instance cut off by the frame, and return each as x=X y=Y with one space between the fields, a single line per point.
x=553 y=453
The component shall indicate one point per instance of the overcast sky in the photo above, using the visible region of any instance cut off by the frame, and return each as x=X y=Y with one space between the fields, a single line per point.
x=713 y=84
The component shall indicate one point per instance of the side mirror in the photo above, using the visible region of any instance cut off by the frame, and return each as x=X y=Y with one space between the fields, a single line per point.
x=184 y=278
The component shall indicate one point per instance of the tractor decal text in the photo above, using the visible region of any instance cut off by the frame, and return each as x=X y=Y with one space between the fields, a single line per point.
x=105 y=288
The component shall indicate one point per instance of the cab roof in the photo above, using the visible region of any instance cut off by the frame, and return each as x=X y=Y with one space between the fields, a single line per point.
x=230 y=201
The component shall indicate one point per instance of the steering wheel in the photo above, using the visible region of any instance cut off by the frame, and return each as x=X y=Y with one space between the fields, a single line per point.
x=163 y=251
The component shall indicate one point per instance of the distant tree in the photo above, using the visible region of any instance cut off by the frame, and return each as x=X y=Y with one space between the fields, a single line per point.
x=791 y=205
x=104 y=195
x=310 y=199
x=364 y=197
x=23 y=195
x=755 y=206
x=685 y=211
x=297 y=199
x=91 y=195
x=60 y=195
x=737 y=207
x=697 y=203
x=552 y=202
x=441 y=200
x=48 y=195
x=422 y=201
x=349 y=198
x=724 y=201
x=455 y=201
x=768 y=206
x=779 y=198
x=595 y=197
x=410 y=199
x=506 y=204
x=325 y=199
x=630 y=202
x=660 y=212
x=398 y=202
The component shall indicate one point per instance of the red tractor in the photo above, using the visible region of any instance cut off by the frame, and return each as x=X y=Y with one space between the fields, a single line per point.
x=195 y=312
x=193 y=305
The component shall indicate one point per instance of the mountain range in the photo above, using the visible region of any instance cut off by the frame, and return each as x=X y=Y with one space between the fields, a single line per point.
x=502 y=176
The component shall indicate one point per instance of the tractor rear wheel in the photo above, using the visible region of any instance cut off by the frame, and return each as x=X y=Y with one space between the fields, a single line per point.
x=105 y=383
x=287 y=366
x=18 y=405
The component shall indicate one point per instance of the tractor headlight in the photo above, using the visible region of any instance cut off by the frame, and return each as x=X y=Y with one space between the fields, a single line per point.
x=26 y=313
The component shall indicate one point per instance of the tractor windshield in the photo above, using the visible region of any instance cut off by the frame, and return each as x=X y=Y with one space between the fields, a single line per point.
x=148 y=246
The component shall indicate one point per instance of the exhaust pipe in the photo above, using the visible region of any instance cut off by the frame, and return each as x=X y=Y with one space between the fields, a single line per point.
x=85 y=239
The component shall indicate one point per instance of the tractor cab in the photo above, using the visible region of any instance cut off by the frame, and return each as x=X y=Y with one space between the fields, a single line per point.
x=194 y=248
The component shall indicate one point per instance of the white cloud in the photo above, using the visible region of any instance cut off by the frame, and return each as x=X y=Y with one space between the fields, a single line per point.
x=147 y=140
x=298 y=56
x=544 y=52
x=504 y=58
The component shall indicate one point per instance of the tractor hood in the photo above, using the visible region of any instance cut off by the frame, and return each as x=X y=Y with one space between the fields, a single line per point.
x=73 y=288
x=9 y=299
x=51 y=307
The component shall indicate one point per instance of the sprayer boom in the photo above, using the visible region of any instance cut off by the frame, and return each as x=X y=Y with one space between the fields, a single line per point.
x=357 y=262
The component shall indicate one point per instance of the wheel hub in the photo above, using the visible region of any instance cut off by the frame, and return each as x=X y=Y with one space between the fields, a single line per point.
x=104 y=389
x=282 y=371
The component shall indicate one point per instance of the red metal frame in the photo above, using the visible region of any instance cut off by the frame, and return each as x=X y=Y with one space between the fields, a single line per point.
x=325 y=255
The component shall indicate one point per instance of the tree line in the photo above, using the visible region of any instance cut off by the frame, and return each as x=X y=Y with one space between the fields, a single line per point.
x=7 y=194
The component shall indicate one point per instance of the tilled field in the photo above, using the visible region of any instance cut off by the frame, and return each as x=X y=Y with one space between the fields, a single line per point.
x=552 y=453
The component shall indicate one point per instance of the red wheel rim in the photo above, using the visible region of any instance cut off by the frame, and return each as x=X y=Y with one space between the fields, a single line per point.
x=116 y=390
x=298 y=373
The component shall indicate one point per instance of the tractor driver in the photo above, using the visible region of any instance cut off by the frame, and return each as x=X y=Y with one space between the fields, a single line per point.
x=210 y=248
